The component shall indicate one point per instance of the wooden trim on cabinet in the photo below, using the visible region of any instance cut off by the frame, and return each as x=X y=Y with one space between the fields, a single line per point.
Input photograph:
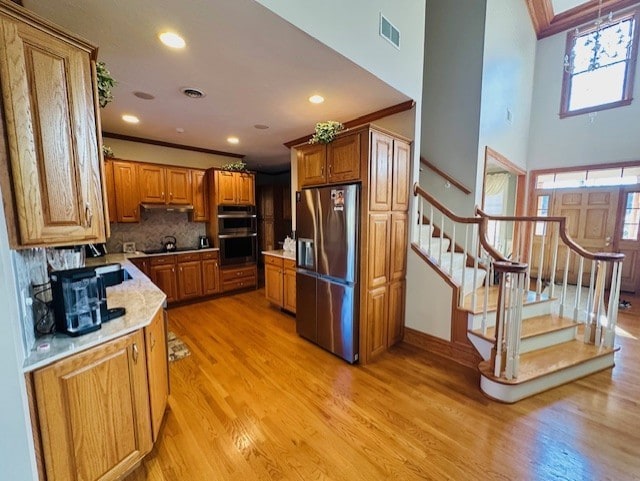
x=161 y=143
x=456 y=183
x=364 y=119
x=35 y=425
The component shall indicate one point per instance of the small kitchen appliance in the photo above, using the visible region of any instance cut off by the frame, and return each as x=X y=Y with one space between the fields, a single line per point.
x=203 y=242
x=76 y=300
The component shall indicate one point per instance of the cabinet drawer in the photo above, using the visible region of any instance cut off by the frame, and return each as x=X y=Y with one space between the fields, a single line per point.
x=273 y=260
x=239 y=283
x=209 y=255
x=162 y=260
x=289 y=264
x=229 y=275
x=191 y=256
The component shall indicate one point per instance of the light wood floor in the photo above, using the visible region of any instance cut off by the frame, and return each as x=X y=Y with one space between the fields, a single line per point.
x=255 y=401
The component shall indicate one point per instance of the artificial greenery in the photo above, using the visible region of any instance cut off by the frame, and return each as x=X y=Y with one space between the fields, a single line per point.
x=107 y=152
x=326 y=132
x=237 y=166
x=105 y=83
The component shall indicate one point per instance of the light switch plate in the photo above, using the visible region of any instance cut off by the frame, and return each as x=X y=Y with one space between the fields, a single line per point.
x=128 y=247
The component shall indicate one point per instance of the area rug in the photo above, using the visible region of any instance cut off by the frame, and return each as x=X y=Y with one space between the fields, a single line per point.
x=177 y=349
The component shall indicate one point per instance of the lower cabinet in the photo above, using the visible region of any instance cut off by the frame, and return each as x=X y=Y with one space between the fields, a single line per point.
x=155 y=338
x=189 y=276
x=280 y=282
x=93 y=411
x=239 y=277
x=162 y=272
x=210 y=273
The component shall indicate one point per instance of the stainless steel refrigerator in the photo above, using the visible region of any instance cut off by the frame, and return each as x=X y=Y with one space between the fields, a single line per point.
x=327 y=268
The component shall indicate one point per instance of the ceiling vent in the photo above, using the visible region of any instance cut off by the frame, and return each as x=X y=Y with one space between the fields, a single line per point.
x=193 y=93
x=389 y=32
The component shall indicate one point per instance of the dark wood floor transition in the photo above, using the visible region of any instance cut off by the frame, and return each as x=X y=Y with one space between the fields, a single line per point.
x=256 y=402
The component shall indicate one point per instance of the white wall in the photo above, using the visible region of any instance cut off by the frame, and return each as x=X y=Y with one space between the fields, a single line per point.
x=351 y=28
x=452 y=85
x=128 y=150
x=612 y=137
x=507 y=81
x=17 y=456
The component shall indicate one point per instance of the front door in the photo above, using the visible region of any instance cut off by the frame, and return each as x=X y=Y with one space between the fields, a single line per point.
x=627 y=238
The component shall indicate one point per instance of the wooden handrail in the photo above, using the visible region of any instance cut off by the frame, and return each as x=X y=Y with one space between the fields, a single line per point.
x=445 y=176
x=569 y=242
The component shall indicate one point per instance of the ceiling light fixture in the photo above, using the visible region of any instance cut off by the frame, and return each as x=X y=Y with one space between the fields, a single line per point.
x=172 y=40
x=132 y=119
x=316 y=99
x=261 y=126
x=144 y=95
x=233 y=140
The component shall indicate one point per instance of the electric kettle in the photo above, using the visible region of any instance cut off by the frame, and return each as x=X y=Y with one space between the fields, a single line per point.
x=169 y=243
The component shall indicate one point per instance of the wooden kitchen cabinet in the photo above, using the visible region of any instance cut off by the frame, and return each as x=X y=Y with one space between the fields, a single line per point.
x=53 y=186
x=395 y=322
x=110 y=187
x=189 y=276
x=162 y=270
x=234 y=188
x=155 y=335
x=94 y=413
x=210 y=273
x=337 y=161
x=164 y=185
x=142 y=263
x=289 y=288
x=274 y=280
x=200 y=196
x=127 y=194
x=238 y=277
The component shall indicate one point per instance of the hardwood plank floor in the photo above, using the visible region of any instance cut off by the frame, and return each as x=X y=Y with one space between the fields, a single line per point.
x=255 y=401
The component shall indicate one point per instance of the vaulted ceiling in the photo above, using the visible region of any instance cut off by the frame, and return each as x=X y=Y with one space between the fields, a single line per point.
x=554 y=16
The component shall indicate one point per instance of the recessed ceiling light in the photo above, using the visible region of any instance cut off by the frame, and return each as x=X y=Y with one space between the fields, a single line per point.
x=233 y=140
x=193 y=93
x=144 y=95
x=132 y=119
x=172 y=39
x=261 y=126
x=316 y=99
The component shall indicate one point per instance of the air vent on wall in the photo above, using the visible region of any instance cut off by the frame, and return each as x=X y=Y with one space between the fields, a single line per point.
x=389 y=32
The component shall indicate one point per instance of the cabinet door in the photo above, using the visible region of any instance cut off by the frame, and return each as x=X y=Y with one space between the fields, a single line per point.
x=142 y=263
x=94 y=411
x=164 y=277
x=111 y=190
x=380 y=165
x=273 y=283
x=245 y=190
x=200 y=195
x=401 y=176
x=398 y=249
x=225 y=187
x=189 y=280
x=267 y=202
x=378 y=250
x=377 y=321
x=267 y=235
x=289 y=290
x=157 y=369
x=343 y=158
x=125 y=176
x=152 y=184
x=50 y=119
x=312 y=160
x=178 y=186
x=210 y=276
x=395 y=329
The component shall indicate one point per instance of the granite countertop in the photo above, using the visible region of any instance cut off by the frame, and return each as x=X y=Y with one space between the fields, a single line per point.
x=135 y=254
x=138 y=295
x=281 y=253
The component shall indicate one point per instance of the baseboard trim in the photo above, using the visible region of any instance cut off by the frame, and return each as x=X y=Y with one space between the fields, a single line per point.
x=462 y=354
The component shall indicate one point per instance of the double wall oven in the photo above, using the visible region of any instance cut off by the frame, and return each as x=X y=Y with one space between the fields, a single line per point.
x=237 y=233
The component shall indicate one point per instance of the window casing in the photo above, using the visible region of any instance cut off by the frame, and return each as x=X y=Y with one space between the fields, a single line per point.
x=596 y=81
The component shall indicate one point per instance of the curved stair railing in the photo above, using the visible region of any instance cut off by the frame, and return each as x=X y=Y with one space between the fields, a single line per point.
x=456 y=244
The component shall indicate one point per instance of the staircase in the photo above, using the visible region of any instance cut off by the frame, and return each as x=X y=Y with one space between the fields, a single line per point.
x=525 y=340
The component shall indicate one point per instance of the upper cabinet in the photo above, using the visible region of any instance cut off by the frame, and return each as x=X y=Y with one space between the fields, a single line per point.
x=49 y=108
x=200 y=195
x=164 y=185
x=126 y=191
x=234 y=188
x=338 y=161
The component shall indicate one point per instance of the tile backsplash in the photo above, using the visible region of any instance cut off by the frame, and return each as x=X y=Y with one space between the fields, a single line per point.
x=153 y=226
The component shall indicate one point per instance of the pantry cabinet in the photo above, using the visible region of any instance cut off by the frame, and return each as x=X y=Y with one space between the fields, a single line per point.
x=93 y=411
x=51 y=169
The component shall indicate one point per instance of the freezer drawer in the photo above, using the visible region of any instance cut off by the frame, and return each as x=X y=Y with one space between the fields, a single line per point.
x=337 y=319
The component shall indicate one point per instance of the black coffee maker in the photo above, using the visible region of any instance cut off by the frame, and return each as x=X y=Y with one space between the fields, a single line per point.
x=76 y=299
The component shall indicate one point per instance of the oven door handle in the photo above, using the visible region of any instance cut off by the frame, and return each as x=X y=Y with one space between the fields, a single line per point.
x=237 y=216
x=230 y=236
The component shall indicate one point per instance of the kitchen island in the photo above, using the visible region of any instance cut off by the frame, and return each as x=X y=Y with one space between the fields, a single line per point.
x=97 y=401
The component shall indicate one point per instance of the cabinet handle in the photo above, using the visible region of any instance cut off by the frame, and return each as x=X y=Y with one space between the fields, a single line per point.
x=135 y=353
x=329 y=169
x=173 y=269
x=322 y=170
x=162 y=195
x=153 y=342
x=170 y=195
x=88 y=215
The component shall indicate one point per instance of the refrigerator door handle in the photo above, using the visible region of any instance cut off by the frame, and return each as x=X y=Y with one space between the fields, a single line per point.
x=306 y=257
